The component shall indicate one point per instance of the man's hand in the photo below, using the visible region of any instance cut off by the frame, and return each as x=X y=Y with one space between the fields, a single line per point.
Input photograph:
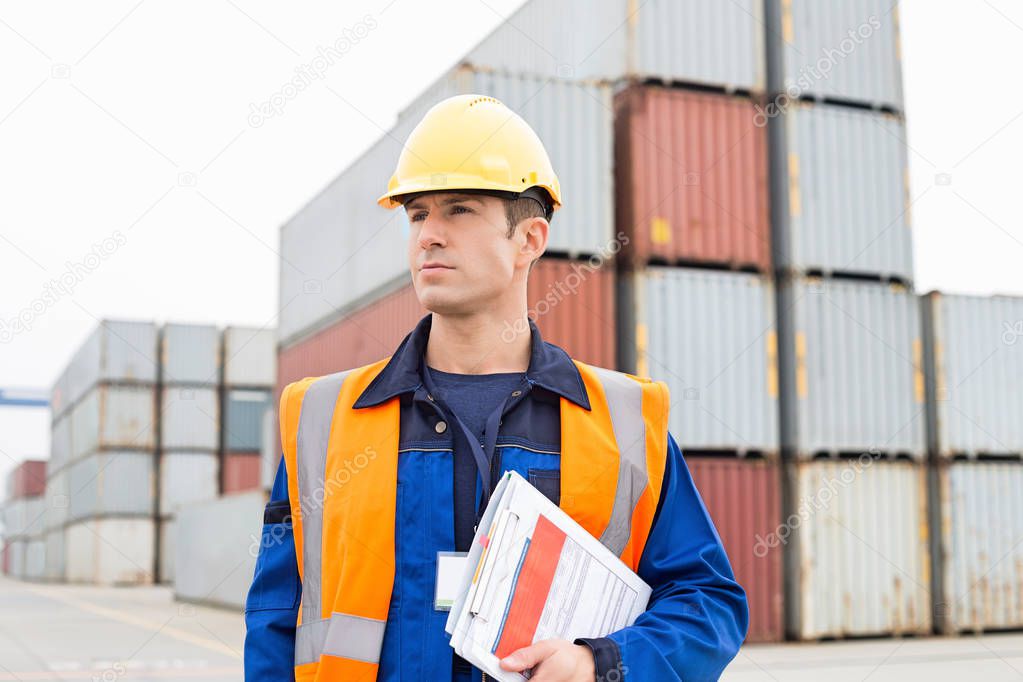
x=555 y=660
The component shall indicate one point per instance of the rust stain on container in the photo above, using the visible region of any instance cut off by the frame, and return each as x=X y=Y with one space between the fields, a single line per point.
x=691 y=171
x=743 y=498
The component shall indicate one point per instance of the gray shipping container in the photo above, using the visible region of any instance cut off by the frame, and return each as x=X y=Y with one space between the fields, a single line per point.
x=24 y=517
x=847 y=50
x=851 y=368
x=111 y=551
x=974 y=357
x=582 y=153
x=112 y=484
x=58 y=499
x=250 y=356
x=114 y=417
x=977 y=517
x=186 y=478
x=711 y=336
x=840 y=195
x=697 y=41
x=60 y=444
x=53 y=563
x=189 y=418
x=216 y=548
x=858 y=552
x=243 y=419
x=189 y=353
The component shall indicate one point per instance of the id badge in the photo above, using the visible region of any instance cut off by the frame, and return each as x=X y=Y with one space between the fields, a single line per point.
x=450 y=571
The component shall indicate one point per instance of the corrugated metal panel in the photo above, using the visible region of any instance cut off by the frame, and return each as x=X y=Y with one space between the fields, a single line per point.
x=711 y=336
x=16 y=558
x=697 y=41
x=846 y=50
x=243 y=419
x=581 y=153
x=27 y=479
x=111 y=551
x=60 y=443
x=240 y=471
x=111 y=483
x=691 y=178
x=975 y=368
x=189 y=353
x=250 y=356
x=851 y=368
x=839 y=192
x=57 y=499
x=55 y=569
x=114 y=417
x=186 y=478
x=743 y=497
x=213 y=537
x=24 y=517
x=857 y=534
x=981 y=551
x=168 y=534
x=35 y=559
x=190 y=418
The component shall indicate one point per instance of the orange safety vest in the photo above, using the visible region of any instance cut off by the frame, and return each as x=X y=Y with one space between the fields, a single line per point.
x=342 y=466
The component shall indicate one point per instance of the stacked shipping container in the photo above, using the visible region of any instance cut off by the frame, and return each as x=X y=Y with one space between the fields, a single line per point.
x=249 y=369
x=23 y=515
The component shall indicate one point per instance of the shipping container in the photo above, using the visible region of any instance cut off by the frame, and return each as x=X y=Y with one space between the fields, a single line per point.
x=216 y=548
x=691 y=177
x=189 y=354
x=24 y=516
x=114 y=417
x=977 y=517
x=701 y=42
x=581 y=153
x=711 y=337
x=851 y=368
x=858 y=559
x=846 y=51
x=35 y=559
x=974 y=357
x=187 y=478
x=743 y=497
x=60 y=443
x=250 y=356
x=243 y=418
x=189 y=418
x=168 y=532
x=117 y=351
x=271 y=451
x=58 y=499
x=54 y=560
x=16 y=550
x=27 y=479
x=240 y=472
x=840 y=192
x=112 y=483
x=114 y=551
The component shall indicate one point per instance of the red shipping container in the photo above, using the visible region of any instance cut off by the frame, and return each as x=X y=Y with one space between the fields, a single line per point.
x=571 y=300
x=240 y=471
x=691 y=179
x=28 y=479
x=743 y=498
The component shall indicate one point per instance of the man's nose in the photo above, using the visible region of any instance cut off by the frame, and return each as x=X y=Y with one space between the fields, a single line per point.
x=431 y=232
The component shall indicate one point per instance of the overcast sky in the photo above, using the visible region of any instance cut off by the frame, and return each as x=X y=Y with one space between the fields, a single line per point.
x=127 y=153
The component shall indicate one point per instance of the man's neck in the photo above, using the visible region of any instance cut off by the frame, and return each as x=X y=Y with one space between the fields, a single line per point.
x=478 y=344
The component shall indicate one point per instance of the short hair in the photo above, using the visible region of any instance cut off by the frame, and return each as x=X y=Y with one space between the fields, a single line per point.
x=517 y=210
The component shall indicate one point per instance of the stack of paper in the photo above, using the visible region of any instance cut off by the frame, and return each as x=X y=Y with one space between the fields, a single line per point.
x=533 y=573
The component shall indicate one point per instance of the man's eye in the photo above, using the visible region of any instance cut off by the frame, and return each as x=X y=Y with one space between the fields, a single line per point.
x=460 y=209
x=416 y=216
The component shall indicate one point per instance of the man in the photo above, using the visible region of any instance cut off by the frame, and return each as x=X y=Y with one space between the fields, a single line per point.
x=386 y=465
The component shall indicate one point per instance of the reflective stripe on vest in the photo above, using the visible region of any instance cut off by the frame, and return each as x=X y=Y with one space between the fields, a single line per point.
x=612 y=465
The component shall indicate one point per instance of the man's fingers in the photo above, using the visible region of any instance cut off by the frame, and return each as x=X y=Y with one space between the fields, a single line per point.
x=527 y=657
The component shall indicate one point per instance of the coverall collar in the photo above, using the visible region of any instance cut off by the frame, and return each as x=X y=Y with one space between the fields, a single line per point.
x=550 y=367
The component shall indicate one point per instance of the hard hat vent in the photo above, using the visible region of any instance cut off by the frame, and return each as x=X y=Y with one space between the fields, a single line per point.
x=480 y=100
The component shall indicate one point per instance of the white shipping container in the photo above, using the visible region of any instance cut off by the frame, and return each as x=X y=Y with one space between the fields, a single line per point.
x=24 y=517
x=114 y=417
x=250 y=356
x=55 y=542
x=974 y=351
x=189 y=418
x=847 y=50
x=980 y=545
x=189 y=353
x=58 y=499
x=35 y=559
x=839 y=192
x=115 y=551
x=60 y=444
x=856 y=533
x=168 y=536
x=851 y=368
x=271 y=448
x=711 y=336
x=16 y=554
x=216 y=548
x=697 y=41
x=111 y=483
x=187 y=478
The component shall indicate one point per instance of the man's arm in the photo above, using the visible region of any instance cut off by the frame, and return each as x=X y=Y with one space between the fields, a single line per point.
x=697 y=616
x=271 y=609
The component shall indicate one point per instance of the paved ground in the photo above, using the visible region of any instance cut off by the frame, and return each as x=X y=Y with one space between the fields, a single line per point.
x=65 y=632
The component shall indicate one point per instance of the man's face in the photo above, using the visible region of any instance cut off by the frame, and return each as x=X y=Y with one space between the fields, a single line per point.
x=462 y=260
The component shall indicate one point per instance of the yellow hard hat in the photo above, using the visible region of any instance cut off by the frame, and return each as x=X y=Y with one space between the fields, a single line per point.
x=473 y=142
